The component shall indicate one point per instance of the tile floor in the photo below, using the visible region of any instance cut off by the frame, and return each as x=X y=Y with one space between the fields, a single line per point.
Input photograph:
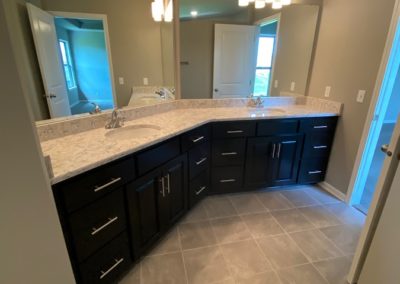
x=299 y=235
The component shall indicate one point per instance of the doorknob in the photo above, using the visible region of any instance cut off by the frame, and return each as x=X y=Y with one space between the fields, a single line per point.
x=216 y=90
x=385 y=149
x=50 y=96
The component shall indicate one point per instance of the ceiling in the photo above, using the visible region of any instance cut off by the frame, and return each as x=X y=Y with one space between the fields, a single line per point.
x=207 y=8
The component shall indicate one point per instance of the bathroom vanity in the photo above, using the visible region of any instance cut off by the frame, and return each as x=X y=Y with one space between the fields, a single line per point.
x=114 y=213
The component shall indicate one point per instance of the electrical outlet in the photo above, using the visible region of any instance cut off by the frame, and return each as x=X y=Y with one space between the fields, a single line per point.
x=327 y=91
x=361 y=96
x=145 y=81
x=276 y=84
x=292 y=86
x=121 y=80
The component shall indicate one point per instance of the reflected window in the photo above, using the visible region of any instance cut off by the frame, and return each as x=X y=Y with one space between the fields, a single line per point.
x=264 y=65
x=67 y=63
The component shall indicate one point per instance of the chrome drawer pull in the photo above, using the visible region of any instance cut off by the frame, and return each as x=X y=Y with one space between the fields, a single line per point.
x=201 y=161
x=320 y=126
x=229 y=154
x=198 y=139
x=314 y=172
x=113 y=180
x=200 y=190
x=289 y=142
x=227 y=180
x=320 y=147
x=279 y=151
x=168 y=184
x=117 y=262
x=273 y=151
x=110 y=221
x=234 y=131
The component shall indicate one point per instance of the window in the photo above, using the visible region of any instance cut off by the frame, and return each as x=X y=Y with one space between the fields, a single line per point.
x=264 y=65
x=67 y=63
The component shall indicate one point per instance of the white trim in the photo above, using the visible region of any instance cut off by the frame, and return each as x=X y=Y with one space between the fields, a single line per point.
x=266 y=21
x=387 y=65
x=332 y=190
x=102 y=17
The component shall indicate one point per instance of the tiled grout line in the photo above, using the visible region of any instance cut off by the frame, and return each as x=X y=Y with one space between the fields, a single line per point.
x=181 y=251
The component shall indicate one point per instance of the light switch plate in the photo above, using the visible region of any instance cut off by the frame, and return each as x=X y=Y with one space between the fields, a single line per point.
x=121 y=80
x=292 y=86
x=145 y=81
x=276 y=84
x=327 y=91
x=361 y=96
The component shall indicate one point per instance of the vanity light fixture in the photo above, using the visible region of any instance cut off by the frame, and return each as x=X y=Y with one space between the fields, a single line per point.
x=162 y=10
x=259 y=4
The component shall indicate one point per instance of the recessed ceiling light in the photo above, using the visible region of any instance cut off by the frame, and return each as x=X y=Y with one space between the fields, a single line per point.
x=194 y=13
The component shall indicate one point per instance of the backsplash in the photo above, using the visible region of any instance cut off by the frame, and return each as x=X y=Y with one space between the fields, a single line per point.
x=60 y=128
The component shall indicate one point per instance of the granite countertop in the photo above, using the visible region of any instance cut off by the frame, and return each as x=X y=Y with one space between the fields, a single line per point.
x=74 y=154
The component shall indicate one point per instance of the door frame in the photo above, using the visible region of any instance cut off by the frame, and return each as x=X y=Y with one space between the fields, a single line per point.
x=389 y=65
x=102 y=17
x=266 y=21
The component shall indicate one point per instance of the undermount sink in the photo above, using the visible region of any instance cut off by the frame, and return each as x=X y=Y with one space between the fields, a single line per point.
x=133 y=131
x=267 y=110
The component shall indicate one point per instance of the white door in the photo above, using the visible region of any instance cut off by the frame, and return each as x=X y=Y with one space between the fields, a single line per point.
x=382 y=263
x=51 y=68
x=234 y=60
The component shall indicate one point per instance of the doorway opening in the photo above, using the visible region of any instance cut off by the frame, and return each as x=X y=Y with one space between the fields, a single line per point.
x=84 y=56
x=267 y=40
x=379 y=136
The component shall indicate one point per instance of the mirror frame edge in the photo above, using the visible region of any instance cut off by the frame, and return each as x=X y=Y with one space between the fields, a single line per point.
x=177 y=51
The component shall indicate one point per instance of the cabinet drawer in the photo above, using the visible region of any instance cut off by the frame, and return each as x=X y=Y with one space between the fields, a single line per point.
x=318 y=124
x=108 y=264
x=227 y=179
x=228 y=152
x=277 y=127
x=157 y=156
x=234 y=129
x=195 y=137
x=97 y=224
x=312 y=170
x=94 y=184
x=199 y=187
x=199 y=159
x=317 y=145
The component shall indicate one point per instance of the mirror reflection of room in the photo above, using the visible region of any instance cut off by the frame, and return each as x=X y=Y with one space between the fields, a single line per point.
x=229 y=51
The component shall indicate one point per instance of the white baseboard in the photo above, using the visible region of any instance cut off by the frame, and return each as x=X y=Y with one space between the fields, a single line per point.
x=332 y=190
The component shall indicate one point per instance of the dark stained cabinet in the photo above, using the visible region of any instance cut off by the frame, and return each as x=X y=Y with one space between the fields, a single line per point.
x=156 y=201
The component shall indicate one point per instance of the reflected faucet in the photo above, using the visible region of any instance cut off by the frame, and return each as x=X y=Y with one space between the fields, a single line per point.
x=116 y=121
x=258 y=102
x=96 y=109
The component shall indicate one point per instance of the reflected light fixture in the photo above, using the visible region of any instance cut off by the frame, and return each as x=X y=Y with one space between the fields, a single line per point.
x=194 y=13
x=162 y=10
x=259 y=4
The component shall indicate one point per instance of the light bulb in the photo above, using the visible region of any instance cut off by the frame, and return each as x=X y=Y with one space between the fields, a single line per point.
x=194 y=13
x=277 y=4
x=259 y=4
x=269 y=1
x=169 y=12
x=286 y=2
x=157 y=10
x=243 y=3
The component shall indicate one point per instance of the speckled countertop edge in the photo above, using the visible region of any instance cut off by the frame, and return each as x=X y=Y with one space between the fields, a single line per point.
x=75 y=154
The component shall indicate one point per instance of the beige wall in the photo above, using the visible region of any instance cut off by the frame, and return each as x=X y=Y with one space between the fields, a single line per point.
x=136 y=44
x=31 y=242
x=349 y=50
x=296 y=36
x=197 y=48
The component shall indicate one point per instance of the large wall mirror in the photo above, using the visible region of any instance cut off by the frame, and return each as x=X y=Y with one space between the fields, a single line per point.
x=229 y=51
x=81 y=56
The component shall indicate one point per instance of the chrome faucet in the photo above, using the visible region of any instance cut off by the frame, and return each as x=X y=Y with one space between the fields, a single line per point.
x=258 y=102
x=96 y=109
x=116 y=121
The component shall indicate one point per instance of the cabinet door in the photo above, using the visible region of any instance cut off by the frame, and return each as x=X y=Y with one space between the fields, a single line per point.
x=173 y=197
x=142 y=198
x=286 y=159
x=259 y=161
